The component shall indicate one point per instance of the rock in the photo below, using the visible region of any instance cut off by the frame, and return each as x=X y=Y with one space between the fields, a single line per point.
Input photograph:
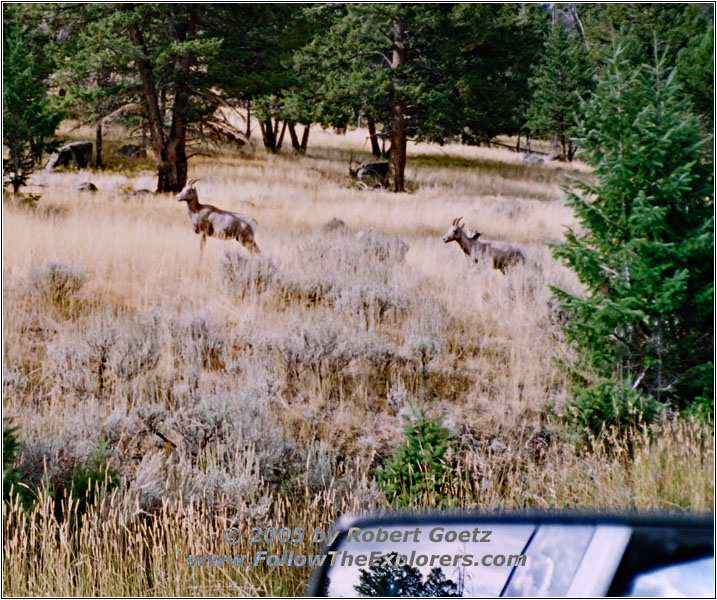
x=86 y=186
x=76 y=154
x=142 y=192
x=533 y=159
x=129 y=151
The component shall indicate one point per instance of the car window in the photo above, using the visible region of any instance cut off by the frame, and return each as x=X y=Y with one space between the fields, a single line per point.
x=690 y=579
x=435 y=562
x=554 y=555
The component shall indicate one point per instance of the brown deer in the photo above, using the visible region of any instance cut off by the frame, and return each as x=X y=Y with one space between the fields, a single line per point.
x=502 y=253
x=208 y=220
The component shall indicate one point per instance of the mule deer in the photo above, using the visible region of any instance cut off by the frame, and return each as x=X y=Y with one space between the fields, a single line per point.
x=208 y=220
x=502 y=253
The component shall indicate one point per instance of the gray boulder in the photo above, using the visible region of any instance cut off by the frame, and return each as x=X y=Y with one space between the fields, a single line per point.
x=76 y=154
x=86 y=186
x=533 y=159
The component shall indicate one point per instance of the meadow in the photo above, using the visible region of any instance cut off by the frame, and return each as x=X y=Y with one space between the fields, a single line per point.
x=265 y=390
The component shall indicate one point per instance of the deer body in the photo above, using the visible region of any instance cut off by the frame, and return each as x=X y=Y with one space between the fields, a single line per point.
x=208 y=220
x=503 y=254
x=371 y=174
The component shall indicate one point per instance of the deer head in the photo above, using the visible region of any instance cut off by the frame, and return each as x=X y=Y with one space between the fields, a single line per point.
x=189 y=193
x=455 y=231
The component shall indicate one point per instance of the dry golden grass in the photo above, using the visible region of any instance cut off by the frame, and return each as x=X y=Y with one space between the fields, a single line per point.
x=272 y=404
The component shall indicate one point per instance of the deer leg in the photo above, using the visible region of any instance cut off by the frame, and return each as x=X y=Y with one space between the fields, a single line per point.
x=249 y=244
x=499 y=265
x=202 y=243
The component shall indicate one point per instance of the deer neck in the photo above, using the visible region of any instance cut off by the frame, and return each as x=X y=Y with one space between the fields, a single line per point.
x=193 y=205
x=465 y=243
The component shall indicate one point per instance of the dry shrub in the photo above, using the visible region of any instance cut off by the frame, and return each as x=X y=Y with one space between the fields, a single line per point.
x=320 y=347
x=371 y=304
x=425 y=334
x=266 y=390
x=53 y=443
x=245 y=275
x=198 y=341
x=112 y=351
x=57 y=283
x=149 y=551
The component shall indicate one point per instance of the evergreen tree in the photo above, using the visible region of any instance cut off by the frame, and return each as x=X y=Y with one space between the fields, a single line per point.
x=562 y=79
x=29 y=115
x=165 y=51
x=419 y=471
x=12 y=481
x=644 y=251
x=683 y=31
x=672 y=25
x=94 y=83
x=365 y=63
x=696 y=74
x=426 y=71
x=487 y=55
x=254 y=63
x=391 y=581
x=437 y=585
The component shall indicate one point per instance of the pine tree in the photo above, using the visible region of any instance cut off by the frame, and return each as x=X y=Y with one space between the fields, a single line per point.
x=696 y=74
x=162 y=54
x=426 y=71
x=393 y=581
x=561 y=80
x=644 y=251
x=419 y=472
x=29 y=116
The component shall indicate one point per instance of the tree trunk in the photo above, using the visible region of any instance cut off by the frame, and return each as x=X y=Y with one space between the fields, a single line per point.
x=98 y=146
x=294 y=138
x=248 y=119
x=163 y=104
x=375 y=148
x=16 y=166
x=280 y=141
x=177 y=142
x=169 y=151
x=267 y=134
x=276 y=130
x=143 y=140
x=103 y=81
x=397 y=158
x=572 y=149
x=305 y=138
x=154 y=115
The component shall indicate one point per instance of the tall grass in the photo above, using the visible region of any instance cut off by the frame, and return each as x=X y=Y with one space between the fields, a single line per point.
x=266 y=391
x=120 y=549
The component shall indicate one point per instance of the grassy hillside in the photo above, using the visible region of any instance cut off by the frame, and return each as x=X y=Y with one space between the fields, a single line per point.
x=265 y=391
